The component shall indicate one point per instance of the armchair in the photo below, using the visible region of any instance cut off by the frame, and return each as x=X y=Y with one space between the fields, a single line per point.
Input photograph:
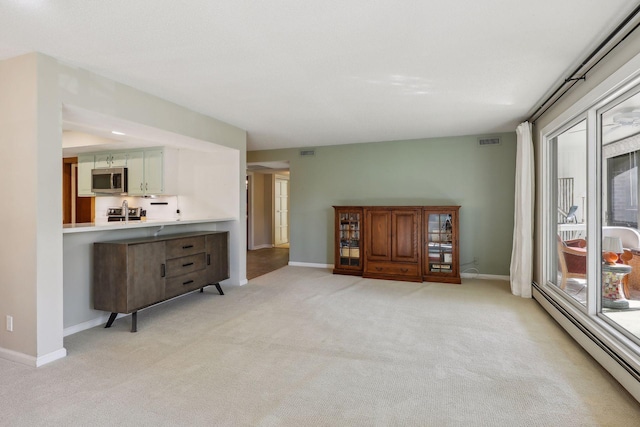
x=572 y=260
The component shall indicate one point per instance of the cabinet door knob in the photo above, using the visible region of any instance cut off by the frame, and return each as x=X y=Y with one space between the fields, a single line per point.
x=379 y=268
x=187 y=247
x=187 y=264
x=208 y=259
x=404 y=270
x=162 y=270
x=187 y=282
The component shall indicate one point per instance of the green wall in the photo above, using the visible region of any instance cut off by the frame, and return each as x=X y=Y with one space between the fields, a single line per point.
x=438 y=171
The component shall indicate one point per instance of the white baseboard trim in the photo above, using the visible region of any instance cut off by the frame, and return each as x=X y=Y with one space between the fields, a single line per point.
x=484 y=276
x=309 y=264
x=25 y=359
x=464 y=275
x=88 y=324
x=48 y=358
x=15 y=356
x=266 y=246
x=105 y=317
x=243 y=282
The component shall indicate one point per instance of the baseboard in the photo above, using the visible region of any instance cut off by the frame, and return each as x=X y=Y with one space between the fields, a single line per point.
x=105 y=317
x=48 y=358
x=309 y=264
x=484 y=276
x=25 y=359
x=265 y=246
x=464 y=275
x=88 y=324
x=609 y=354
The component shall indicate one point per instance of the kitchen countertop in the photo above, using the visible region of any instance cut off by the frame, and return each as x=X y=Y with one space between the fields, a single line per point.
x=121 y=225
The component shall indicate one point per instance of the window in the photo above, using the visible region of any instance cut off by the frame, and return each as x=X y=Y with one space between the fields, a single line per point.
x=568 y=155
x=622 y=190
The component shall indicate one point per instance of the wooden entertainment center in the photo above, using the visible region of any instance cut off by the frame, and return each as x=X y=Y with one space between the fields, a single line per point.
x=411 y=243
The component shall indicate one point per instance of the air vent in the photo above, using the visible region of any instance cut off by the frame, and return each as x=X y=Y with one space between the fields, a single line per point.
x=306 y=153
x=488 y=141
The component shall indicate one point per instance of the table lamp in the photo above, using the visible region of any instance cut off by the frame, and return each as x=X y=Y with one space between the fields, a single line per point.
x=611 y=248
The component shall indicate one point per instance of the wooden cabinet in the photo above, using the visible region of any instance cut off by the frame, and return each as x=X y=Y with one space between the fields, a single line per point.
x=441 y=261
x=348 y=229
x=217 y=257
x=132 y=274
x=412 y=243
x=392 y=243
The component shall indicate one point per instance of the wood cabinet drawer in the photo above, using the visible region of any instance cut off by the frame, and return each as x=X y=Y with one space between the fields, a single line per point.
x=185 y=283
x=185 y=264
x=392 y=268
x=177 y=248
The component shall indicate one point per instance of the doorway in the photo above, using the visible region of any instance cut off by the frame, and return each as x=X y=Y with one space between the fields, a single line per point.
x=75 y=210
x=268 y=205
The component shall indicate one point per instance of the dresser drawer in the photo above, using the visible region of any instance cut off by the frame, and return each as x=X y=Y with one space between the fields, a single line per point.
x=185 y=264
x=392 y=268
x=184 y=283
x=177 y=248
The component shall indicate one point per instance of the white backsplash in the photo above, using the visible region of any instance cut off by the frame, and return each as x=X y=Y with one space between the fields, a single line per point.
x=154 y=211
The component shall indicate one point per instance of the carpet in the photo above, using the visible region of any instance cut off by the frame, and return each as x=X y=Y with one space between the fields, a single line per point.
x=300 y=346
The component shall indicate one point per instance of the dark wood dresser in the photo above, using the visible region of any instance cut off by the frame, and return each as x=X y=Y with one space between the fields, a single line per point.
x=132 y=274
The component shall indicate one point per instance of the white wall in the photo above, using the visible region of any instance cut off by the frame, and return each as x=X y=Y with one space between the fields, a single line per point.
x=33 y=88
x=209 y=187
x=18 y=251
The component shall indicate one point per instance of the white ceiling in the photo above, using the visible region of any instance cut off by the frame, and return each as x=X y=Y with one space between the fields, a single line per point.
x=298 y=73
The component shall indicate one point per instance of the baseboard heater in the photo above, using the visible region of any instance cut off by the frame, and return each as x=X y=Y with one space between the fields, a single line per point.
x=630 y=369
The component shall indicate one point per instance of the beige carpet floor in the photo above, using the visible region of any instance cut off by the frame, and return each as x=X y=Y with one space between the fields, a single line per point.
x=303 y=347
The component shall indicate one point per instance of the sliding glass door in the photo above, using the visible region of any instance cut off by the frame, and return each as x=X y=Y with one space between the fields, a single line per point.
x=592 y=190
x=618 y=128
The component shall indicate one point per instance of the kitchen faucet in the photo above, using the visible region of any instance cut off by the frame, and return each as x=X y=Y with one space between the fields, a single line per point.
x=125 y=210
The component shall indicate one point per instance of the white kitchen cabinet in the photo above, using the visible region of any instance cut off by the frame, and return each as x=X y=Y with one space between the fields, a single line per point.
x=111 y=159
x=85 y=165
x=152 y=171
x=135 y=173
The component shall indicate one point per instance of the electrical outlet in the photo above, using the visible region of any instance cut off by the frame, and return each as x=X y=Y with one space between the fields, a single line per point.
x=9 y=323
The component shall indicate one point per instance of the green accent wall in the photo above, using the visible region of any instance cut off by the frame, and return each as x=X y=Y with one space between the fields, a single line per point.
x=436 y=171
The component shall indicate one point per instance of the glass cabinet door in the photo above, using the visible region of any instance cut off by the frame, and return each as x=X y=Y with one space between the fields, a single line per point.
x=349 y=229
x=348 y=257
x=441 y=254
x=440 y=242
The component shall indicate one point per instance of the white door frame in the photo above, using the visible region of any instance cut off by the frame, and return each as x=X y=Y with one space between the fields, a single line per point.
x=282 y=178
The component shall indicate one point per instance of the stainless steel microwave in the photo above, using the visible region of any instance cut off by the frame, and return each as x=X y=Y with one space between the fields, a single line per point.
x=109 y=181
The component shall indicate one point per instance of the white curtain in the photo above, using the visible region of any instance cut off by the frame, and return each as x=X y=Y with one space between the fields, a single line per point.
x=522 y=252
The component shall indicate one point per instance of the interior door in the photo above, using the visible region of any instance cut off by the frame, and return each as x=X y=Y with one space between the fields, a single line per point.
x=281 y=214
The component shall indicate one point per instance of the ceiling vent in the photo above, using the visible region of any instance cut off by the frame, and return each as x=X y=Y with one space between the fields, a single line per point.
x=307 y=153
x=488 y=141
